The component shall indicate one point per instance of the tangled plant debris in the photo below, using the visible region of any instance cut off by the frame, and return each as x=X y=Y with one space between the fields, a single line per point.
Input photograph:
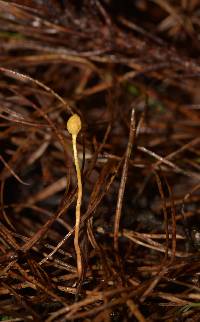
x=131 y=70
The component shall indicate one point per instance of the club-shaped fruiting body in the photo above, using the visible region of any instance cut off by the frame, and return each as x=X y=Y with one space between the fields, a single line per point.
x=73 y=127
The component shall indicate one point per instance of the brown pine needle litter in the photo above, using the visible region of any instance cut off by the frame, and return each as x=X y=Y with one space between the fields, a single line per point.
x=99 y=221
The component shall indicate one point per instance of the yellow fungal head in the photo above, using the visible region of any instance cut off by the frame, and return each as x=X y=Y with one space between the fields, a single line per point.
x=74 y=124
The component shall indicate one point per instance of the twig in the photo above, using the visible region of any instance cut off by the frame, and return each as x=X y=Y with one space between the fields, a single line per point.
x=124 y=179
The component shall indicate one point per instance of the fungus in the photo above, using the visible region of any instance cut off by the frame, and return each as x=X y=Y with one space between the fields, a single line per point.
x=73 y=127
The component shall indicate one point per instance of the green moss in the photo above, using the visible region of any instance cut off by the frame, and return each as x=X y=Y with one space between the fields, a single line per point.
x=4 y=318
x=9 y=34
x=132 y=89
x=156 y=105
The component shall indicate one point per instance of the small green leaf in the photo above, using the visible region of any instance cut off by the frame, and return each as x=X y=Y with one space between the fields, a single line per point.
x=132 y=89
